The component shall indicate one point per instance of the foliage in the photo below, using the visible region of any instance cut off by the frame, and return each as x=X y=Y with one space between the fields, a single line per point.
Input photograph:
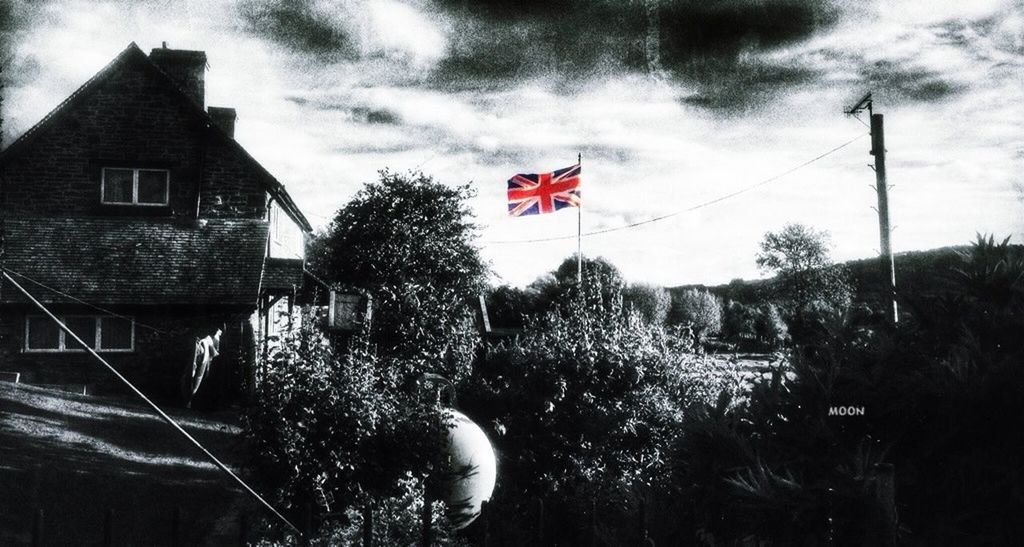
x=698 y=308
x=650 y=301
x=808 y=288
x=739 y=321
x=940 y=395
x=560 y=289
x=396 y=521
x=582 y=407
x=508 y=307
x=770 y=329
x=339 y=430
x=402 y=230
x=406 y=240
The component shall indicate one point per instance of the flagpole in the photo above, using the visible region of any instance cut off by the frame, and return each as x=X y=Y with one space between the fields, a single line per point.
x=579 y=228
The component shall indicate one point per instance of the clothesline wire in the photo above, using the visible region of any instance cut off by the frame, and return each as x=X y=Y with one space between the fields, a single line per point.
x=83 y=302
x=687 y=210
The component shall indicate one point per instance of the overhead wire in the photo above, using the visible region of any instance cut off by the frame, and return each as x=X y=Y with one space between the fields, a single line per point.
x=83 y=302
x=689 y=209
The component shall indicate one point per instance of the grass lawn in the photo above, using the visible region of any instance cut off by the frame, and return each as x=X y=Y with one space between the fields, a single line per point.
x=76 y=457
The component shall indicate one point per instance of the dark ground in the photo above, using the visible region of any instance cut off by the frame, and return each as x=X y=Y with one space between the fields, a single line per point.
x=76 y=457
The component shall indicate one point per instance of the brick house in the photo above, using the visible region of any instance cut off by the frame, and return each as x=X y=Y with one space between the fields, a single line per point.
x=133 y=214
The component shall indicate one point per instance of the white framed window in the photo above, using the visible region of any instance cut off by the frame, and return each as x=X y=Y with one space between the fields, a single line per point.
x=101 y=333
x=286 y=239
x=128 y=186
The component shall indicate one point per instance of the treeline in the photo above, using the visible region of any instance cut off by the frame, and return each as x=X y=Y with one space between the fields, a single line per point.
x=603 y=405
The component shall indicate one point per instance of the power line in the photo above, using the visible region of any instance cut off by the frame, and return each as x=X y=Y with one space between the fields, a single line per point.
x=170 y=421
x=693 y=208
x=83 y=302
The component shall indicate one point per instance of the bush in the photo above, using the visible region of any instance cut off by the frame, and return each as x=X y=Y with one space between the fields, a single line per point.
x=770 y=329
x=582 y=407
x=650 y=301
x=940 y=394
x=699 y=309
x=339 y=431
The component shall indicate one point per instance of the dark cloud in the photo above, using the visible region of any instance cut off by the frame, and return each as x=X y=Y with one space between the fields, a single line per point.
x=898 y=82
x=300 y=26
x=725 y=28
x=736 y=86
x=358 y=114
x=701 y=43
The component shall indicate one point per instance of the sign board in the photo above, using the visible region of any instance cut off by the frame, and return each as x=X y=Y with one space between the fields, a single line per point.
x=348 y=311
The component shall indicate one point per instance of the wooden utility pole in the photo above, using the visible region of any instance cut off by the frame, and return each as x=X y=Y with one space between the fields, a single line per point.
x=884 y=231
x=881 y=187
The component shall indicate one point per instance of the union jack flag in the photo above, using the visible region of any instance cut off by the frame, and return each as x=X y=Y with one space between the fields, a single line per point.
x=544 y=193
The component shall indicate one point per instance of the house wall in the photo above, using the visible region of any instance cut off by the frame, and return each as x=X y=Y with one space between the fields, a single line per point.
x=156 y=365
x=287 y=240
x=133 y=119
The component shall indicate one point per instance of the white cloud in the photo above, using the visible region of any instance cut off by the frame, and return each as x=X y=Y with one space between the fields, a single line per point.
x=954 y=161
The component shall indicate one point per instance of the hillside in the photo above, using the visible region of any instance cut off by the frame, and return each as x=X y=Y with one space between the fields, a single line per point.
x=917 y=273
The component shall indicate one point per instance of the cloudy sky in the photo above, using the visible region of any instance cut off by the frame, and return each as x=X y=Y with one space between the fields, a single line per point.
x=672 y=103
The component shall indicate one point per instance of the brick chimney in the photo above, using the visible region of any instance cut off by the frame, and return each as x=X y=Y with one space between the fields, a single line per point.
x=224 y=118
x=186 y=67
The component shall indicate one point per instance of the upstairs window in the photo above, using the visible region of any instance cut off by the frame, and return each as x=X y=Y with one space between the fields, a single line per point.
x=122 y=186
x=101 y=333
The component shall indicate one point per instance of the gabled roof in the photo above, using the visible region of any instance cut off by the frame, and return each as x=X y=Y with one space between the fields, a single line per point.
x=137 y=261
x=132 y=53
x=282 y=274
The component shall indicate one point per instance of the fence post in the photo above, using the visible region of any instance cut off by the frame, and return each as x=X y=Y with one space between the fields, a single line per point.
x=540 y=522
x=243 y=530
x=37 y=528
x=367 y=525
x=108 y=529
x=176 y=527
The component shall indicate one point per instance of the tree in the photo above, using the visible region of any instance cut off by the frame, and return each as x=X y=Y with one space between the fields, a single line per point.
x=650 y=301
x=403 y=230
x=602 y=286
x=582 y=406
x=698 y=308
x=805 y=278
x=342 y=429
x=941 y=399
x=408 y=240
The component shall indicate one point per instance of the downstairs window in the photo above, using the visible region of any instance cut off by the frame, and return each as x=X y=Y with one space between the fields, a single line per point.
x=101 y=333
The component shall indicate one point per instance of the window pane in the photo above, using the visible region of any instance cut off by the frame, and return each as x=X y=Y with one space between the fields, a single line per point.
x=117 y=185
x=85 y=328
x=116 y=333
x=43 y=333
x=152 y=186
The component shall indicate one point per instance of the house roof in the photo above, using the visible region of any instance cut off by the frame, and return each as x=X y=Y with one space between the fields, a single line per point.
x=132 y=261
x=282 y=274
x=132 y=53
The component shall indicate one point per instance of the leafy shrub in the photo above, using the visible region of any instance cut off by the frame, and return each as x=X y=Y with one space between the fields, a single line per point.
x=650 y=301
x=807 y=287
x=769 y=327
x=340 y=430
x=582 y=407
x=941 y=396
x=699 y=309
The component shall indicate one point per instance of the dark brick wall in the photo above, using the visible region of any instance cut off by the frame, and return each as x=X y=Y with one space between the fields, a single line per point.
x=157 y=364
x=133 y=119
x=230 y=187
